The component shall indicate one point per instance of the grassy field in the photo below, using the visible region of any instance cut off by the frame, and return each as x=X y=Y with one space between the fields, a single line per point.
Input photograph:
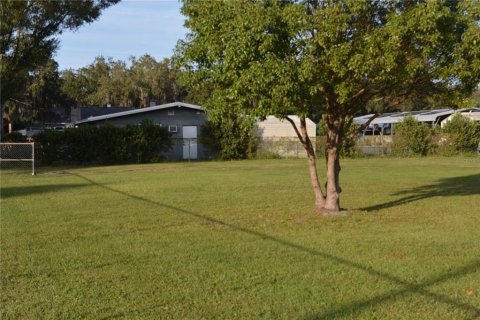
x=240 y=240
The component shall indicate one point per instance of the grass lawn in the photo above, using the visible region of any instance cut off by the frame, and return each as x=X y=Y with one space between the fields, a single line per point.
x=225 y=240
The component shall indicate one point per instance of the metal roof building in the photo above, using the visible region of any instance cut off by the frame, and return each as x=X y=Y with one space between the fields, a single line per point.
x=385 y=123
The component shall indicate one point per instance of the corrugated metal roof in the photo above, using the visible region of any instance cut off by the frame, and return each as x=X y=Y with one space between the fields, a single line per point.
x=142 y=110
x=422 y=116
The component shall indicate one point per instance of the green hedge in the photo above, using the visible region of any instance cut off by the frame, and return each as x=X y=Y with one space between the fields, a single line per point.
x=13 y=137
x=103 y=145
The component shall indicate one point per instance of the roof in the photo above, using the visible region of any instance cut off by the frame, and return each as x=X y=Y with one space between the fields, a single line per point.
x=422 y=116
x=87 y=112
x=140 y=111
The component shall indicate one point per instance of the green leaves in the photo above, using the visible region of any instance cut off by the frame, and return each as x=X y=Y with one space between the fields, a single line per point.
x=411 y=138
x=463 y=132
x=279 y=54
x=28 y=31
x=108 y=81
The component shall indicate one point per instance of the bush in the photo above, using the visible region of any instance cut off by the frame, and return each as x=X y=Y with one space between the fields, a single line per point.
x=463 y=134
x=229 y=138
x=103 y=145
x=412 y=138
x=349 y=145
x=147 y=141
x=13 y=137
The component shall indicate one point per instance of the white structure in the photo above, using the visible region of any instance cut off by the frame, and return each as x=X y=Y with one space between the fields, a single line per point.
x=385 y=123
x=272 y=127
x=278 y=137
x=474 y=116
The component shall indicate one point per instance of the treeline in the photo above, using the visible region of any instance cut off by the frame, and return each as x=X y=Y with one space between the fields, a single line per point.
x=135 y=83
x=122 y=84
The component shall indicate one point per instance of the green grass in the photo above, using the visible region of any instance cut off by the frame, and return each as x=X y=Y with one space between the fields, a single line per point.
x=240 y=240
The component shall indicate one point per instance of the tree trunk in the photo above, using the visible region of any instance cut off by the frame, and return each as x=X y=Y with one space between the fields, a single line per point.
x=317 y=190
x=312 y=166
x=332 y=203
x=328 y=204
x=334 y=145
x=1 y=120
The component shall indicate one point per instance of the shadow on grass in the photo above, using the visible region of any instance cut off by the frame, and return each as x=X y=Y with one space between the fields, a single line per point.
x=456 y=186
x=406 y=287
x=10 y=192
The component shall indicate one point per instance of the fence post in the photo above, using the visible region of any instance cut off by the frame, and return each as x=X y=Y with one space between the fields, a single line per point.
x=33 y=158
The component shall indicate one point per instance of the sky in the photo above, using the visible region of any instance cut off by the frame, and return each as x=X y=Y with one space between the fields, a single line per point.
x=131 y=27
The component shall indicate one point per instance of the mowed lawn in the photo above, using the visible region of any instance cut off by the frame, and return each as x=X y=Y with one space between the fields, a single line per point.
x=240 y=240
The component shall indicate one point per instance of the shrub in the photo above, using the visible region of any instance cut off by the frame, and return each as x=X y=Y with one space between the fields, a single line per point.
x=230 y=137
x=13 y=137
x=103 y=145
x=349 y=145
x=147 y=141
x=463 y=133
x=412 y=138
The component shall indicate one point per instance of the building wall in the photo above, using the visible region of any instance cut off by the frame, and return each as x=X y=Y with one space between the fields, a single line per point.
x=181 y=117
x=277 y=137
x=474 y=116
x=273 y=127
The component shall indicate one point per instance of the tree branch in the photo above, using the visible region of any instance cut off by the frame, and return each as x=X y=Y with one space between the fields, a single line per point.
x=299 y=135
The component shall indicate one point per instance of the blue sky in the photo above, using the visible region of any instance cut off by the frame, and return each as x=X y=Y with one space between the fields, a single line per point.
x=131 y=27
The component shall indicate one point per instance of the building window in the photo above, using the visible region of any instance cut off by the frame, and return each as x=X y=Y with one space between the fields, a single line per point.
x=172 y=128
x=171 y=112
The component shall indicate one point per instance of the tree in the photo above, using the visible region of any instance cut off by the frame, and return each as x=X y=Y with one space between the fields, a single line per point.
x=229 y=136
x=108 y=81
x=340 y=58
x=28 y=31
x=41 y=92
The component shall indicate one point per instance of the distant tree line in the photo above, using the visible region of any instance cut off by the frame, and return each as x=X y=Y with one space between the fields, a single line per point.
x=118 y=83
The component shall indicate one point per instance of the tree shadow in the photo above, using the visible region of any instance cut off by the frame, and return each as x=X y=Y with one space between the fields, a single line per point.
x=406 y=287
x=456 y=186
x=11 y=192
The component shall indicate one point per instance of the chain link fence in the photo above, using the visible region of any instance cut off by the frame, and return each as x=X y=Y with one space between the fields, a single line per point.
x=14 y=156
x=283 y=147
x=374 y=145
x=290 y=147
